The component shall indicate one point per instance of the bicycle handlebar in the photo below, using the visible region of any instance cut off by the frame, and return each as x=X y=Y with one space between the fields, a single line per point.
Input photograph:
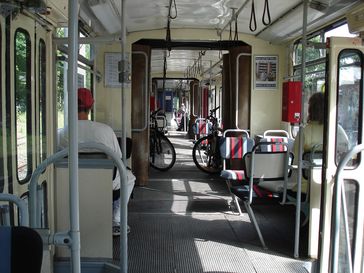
x=214 y=110
x=154 y=113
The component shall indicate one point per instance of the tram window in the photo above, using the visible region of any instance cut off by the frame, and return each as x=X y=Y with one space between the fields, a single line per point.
x=315 y=60
x=23 y=105
x=2 y=176
x=350 y=75
x=85 y=49
x=44 y=205
x=42 y=101
x=312 y=52
x=61 y=69
x=351 y=201
x=84 y=79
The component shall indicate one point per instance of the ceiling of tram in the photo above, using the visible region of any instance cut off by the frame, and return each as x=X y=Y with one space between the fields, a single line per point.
x=104 y=17
x=192 y=62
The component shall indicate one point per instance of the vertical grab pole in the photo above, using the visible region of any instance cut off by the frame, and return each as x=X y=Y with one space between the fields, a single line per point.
x=73 y=135
x=123 y=71
x=300 y=138
x=123 y=178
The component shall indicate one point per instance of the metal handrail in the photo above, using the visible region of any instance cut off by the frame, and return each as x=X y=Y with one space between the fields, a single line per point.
x=24 y=219
x=275 y=132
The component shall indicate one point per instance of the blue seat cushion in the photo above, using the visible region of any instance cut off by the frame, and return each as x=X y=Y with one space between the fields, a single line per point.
x=5 y=249
x=233 y=174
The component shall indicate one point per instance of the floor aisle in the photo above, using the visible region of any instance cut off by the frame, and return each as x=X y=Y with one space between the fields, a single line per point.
x=182 y=223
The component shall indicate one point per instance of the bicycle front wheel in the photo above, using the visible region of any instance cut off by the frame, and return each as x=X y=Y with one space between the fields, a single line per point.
x=205 y=156
x=162 y=154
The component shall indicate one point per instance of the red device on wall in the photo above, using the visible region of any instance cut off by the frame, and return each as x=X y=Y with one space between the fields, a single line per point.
x=291 y=102
x=152 y=103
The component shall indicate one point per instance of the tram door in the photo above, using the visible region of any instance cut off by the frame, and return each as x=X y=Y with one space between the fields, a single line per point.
x=344 y=97
x=25 y=95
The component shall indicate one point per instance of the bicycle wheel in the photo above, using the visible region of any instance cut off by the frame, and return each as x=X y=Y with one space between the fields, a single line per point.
x=162 y=154
x=205 y=156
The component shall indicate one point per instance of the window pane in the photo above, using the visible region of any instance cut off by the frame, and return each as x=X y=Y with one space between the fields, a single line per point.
x=349 y=78
x=315 y=61
x=23 y=105
x=42 y=101
x=61 y=92
x=85 y=49
x=351 y=202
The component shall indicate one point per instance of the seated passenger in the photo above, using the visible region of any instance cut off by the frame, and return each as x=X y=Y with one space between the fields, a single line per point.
x=313 y=131
x=91 y=131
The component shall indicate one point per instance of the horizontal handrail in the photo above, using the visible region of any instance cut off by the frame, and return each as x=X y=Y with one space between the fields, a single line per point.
x=24 y=219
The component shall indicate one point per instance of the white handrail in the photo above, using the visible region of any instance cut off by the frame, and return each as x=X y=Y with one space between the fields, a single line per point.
x=270 y=132
x=24 y=219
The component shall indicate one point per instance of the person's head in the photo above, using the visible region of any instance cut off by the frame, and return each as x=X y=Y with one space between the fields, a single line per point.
x=316 y=108
x=85 y=100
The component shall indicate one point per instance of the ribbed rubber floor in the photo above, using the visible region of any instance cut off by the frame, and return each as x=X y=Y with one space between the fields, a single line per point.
x=181 y=223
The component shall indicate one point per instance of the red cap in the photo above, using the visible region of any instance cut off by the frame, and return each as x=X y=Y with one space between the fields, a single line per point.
x=85 y=99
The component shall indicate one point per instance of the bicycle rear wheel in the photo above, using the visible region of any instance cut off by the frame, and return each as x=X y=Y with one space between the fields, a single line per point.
x=162 y=154
x=205 y=156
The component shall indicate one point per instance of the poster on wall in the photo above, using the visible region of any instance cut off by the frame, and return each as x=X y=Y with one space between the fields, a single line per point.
x=266 y=72
x=112 y=69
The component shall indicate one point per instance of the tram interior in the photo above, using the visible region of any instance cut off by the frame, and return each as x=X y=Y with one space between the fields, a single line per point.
x=185 y=58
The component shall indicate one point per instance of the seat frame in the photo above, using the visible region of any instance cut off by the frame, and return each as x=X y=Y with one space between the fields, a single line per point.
x=254 y=173
x=239 y=132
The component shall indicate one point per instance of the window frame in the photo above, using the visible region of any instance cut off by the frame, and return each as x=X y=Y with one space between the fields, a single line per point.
x=353 y=163
x=42 y=113
x=29 y=128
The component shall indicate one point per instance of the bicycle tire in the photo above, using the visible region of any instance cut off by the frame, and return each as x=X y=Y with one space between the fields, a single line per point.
x=162 y=155
x=204 y=158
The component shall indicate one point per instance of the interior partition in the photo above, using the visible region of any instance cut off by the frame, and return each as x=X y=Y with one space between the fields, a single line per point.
x=140 y=112
x=237 y=88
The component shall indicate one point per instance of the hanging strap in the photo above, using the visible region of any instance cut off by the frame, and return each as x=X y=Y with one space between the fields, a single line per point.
x=253 y=19
x=236 y=36
x=230 y=35
x=266 y=14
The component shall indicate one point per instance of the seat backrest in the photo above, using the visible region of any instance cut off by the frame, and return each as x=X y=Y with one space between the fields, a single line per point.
x=268 y=164
x=21 y=250
x=233 y=149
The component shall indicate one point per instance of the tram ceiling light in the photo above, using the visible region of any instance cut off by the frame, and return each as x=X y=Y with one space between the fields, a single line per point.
x=106 y=12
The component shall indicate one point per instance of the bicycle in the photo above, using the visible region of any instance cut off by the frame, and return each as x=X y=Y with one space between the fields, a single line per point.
x=206 y=152
x=162 y=154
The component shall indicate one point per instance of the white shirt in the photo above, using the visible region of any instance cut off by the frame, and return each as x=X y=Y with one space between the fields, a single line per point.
x=92 y=131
